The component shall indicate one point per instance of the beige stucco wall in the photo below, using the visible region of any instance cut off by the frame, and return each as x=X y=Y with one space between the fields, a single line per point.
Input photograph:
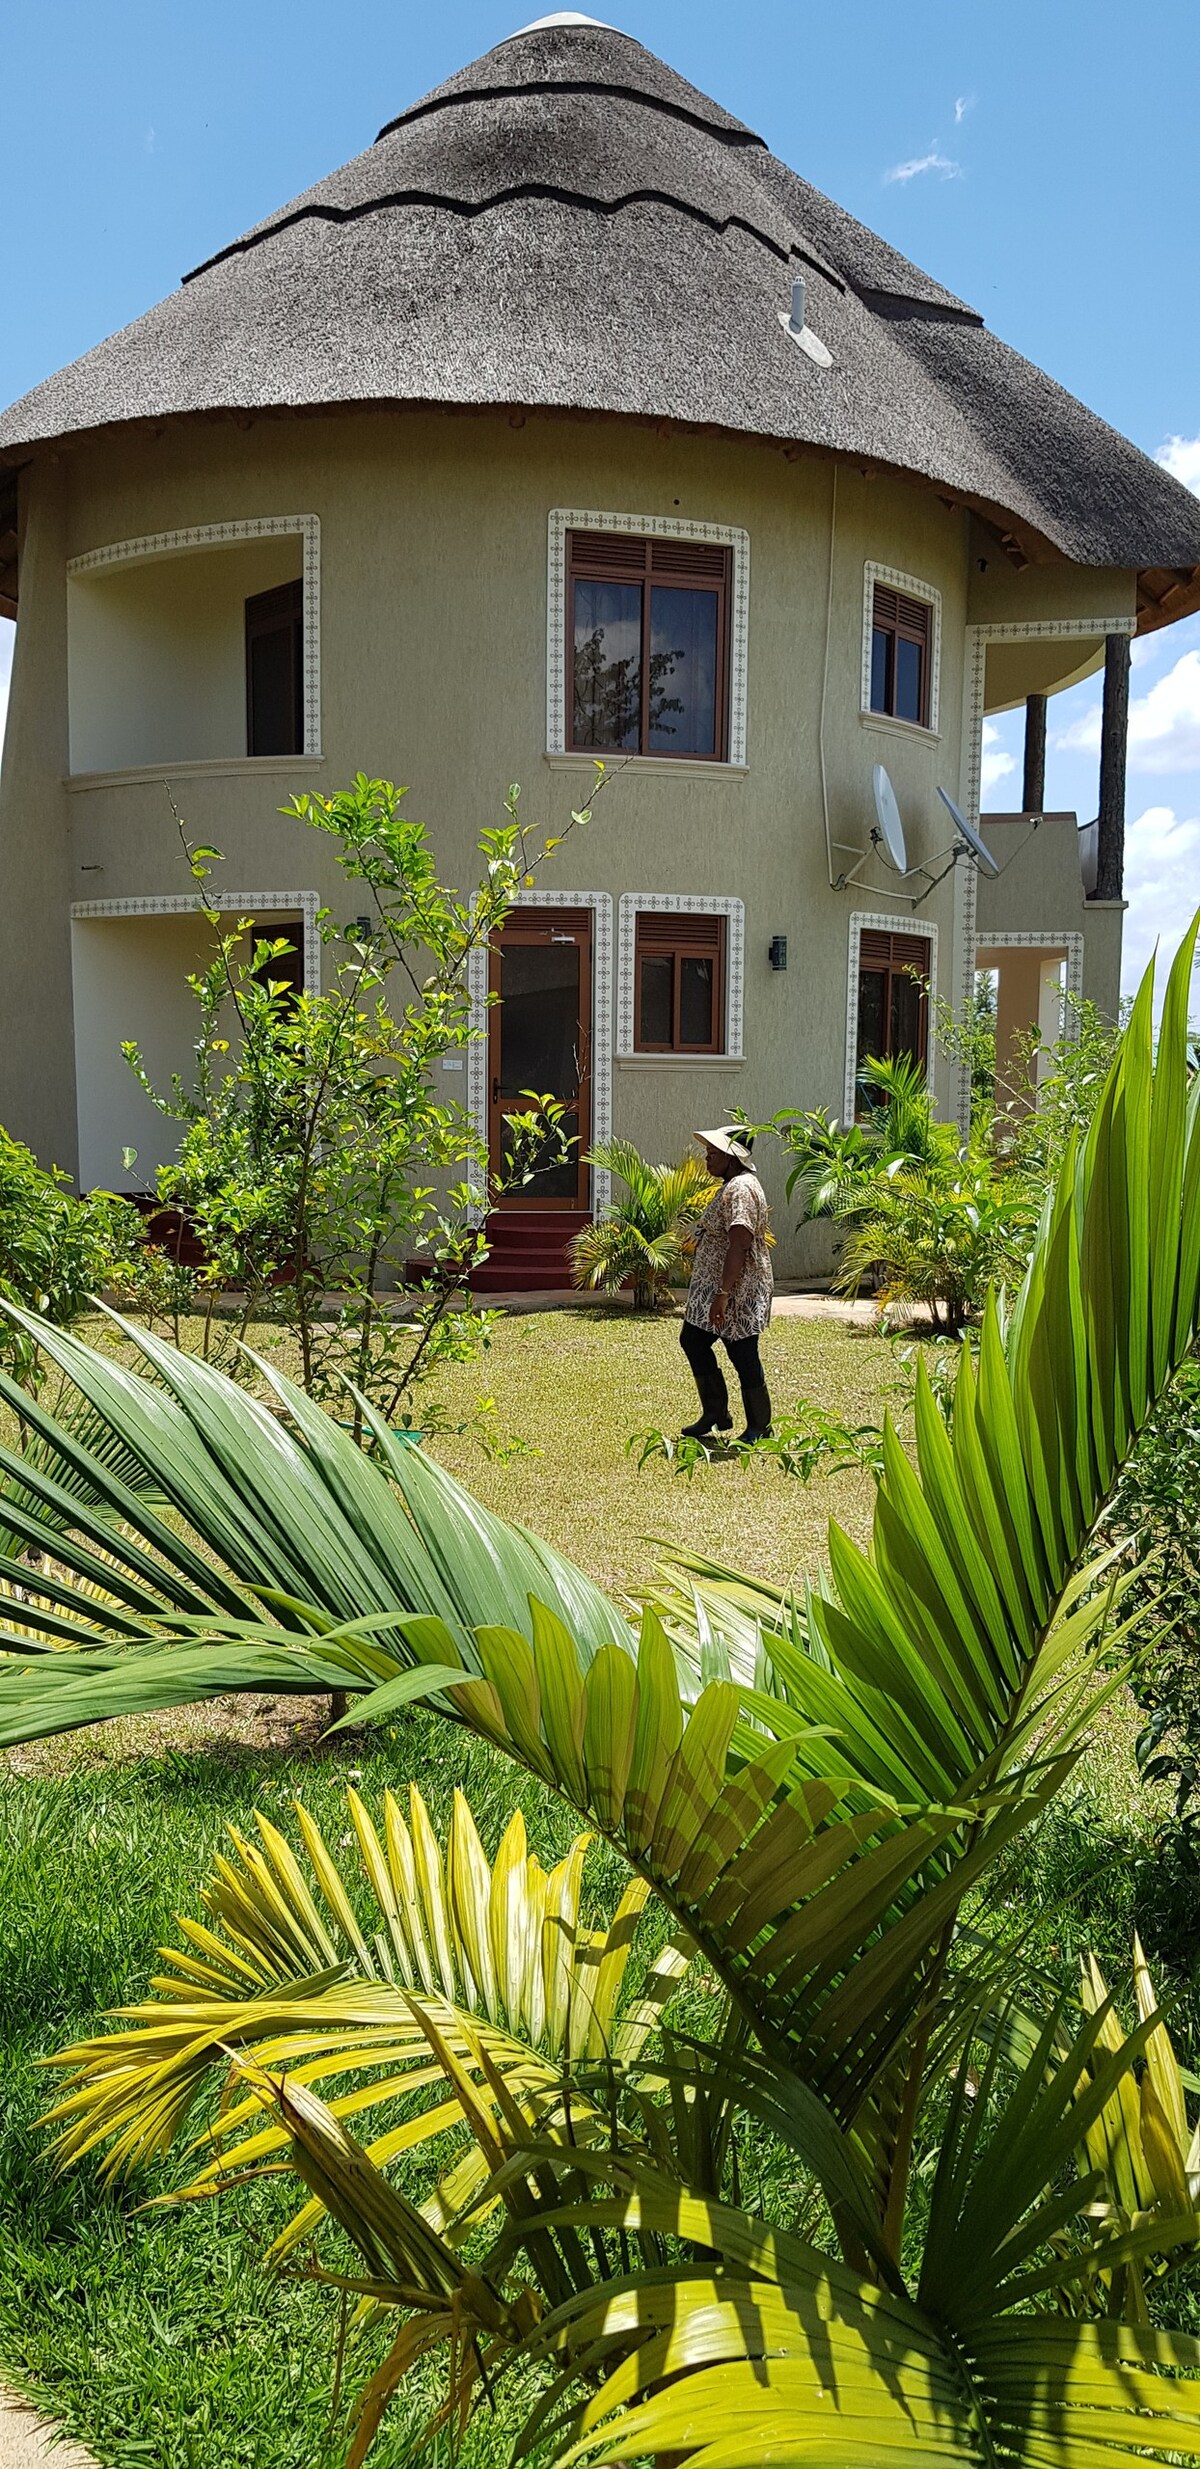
x=433 y=635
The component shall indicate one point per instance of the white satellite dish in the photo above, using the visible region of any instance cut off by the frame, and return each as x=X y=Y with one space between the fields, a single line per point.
x=889 y=834
x=976 y=846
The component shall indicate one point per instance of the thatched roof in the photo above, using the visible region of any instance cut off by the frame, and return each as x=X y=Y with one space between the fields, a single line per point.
x=567 y=225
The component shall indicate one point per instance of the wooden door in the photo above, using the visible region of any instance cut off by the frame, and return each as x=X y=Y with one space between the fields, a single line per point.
x=539 y=1039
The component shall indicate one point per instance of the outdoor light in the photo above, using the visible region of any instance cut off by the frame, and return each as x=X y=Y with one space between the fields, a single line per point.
x=777 y=951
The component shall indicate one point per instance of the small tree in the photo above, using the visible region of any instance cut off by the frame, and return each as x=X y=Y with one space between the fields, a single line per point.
x=316 y=1159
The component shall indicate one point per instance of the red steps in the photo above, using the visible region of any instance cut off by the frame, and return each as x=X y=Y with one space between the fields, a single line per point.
x=528 y=1251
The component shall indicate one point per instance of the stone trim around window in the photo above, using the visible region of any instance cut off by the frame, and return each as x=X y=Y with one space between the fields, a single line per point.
x=220 y=535
x=600 y=904
x=681 y=904
x=915 y=589
x=873 y=922
x=564 y=519
x=246 y=904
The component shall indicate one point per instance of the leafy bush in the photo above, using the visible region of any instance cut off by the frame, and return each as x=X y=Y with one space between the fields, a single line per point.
x=1156 y=1511
x=56 y=1251
x=646 y=1238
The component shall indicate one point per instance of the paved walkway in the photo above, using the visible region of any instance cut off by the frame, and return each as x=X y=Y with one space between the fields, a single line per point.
x=789 y=1304
x=28 y=2441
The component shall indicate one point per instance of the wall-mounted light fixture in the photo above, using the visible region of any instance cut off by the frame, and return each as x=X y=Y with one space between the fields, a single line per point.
x=777 y=951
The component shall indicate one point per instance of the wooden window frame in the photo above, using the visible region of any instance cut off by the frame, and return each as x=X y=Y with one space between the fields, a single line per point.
x=909 y=620
x=872 y=963
x=680 y=934
x=609 y=557
x=266 y=613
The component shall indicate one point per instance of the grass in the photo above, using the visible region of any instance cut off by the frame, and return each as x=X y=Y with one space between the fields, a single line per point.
x=160 y=2337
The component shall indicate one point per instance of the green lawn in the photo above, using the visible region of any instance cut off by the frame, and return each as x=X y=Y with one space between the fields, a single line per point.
x=160 y=2337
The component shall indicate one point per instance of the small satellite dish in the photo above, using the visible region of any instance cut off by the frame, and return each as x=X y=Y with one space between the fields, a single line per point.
x=977 y=847
x=889 y=836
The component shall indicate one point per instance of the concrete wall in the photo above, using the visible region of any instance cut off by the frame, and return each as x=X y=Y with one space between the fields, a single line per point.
x=433 y=627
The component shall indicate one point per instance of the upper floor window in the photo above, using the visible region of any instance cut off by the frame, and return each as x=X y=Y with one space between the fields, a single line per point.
x=647 y=645
x=894 y=971
x=679 y=979
x=901 y=632
x=275 y=671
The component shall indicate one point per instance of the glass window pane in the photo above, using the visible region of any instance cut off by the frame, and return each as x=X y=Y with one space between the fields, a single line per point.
x=656 y=979
x=696 y=992
x=906 y=1018
x=879 y=669
x=683 y=671
x=872 y=998
x=607 y=664
x=910 y=660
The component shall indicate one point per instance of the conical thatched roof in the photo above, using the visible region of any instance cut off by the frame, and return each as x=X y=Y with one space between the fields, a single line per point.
x=568 y=225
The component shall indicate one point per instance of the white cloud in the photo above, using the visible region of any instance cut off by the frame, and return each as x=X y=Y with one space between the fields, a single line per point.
x=997 y=762
x=1182 y=456
x=8 y=636
x=918 y=163
x=1162 y=887
x=1164 y=724
x=963 y=103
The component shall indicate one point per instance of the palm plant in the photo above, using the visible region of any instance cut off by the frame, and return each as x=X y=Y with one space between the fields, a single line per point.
x=952 y=2253
x=645 y=1238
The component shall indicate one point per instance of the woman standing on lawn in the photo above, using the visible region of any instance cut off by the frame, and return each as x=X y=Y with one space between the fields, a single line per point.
x=730 y=1292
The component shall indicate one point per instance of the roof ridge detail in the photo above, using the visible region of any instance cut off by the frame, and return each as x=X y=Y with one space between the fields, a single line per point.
x=736 y=135
x=469 y=208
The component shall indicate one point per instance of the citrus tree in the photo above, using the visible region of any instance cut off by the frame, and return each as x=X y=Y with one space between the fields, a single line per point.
x=957 y=2238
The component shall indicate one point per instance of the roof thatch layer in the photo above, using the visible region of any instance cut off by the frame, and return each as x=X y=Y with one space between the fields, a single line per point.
x=568 y=225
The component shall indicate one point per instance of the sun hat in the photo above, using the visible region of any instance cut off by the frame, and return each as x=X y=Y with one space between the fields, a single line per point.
x=731 y=1141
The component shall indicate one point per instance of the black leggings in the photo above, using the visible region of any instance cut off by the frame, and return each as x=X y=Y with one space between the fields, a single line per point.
x=700 y=1347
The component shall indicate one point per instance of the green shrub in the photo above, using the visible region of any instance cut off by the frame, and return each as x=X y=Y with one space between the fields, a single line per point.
x=56 y=1251
x=646 y=1240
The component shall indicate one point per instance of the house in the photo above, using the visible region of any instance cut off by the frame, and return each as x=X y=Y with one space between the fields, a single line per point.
x=566 y=420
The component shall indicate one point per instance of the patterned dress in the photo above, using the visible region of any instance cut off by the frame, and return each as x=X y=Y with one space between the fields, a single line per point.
x=740 y=1202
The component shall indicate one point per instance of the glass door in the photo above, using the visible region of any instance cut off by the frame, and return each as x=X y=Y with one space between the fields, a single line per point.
x=539 y=1039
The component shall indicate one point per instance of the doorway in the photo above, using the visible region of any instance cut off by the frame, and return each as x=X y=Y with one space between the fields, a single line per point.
x=539 y=1039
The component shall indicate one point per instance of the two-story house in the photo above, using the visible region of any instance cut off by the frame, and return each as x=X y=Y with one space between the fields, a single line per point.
x=566 y=420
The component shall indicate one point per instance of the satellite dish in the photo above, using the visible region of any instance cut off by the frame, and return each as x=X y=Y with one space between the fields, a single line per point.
x=976 y=847
x=889 y=836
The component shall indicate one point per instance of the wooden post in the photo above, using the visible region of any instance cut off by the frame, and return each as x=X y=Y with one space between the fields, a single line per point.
x=1033 y=794
x=1114 y=731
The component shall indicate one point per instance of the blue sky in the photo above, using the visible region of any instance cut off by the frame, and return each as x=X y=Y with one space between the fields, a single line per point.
x=1037 y=156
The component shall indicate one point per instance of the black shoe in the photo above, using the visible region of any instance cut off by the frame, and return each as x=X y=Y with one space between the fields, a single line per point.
x=707 y=1425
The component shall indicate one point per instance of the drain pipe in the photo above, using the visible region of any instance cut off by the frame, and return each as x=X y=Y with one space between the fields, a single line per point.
x=834 y=881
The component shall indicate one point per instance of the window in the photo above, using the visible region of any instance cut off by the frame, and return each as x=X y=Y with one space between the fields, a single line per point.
x=647 y=656
x=893 y=1005
x=900 y=655
x=275 y=671
x=679 y=980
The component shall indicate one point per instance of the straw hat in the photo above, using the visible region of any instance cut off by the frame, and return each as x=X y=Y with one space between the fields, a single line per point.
x=729 y=1142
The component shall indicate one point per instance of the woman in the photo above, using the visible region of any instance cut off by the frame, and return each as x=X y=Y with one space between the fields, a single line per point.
x=729 y=1296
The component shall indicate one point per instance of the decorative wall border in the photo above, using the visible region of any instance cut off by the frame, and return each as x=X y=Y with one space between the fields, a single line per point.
x=1005 y=630
x=1044 y=939
x=916 y=589
x=249 y=904
x=222 y=535
x=660 y=526
x=880 y=922
x=600 y=904
x=690 y=904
